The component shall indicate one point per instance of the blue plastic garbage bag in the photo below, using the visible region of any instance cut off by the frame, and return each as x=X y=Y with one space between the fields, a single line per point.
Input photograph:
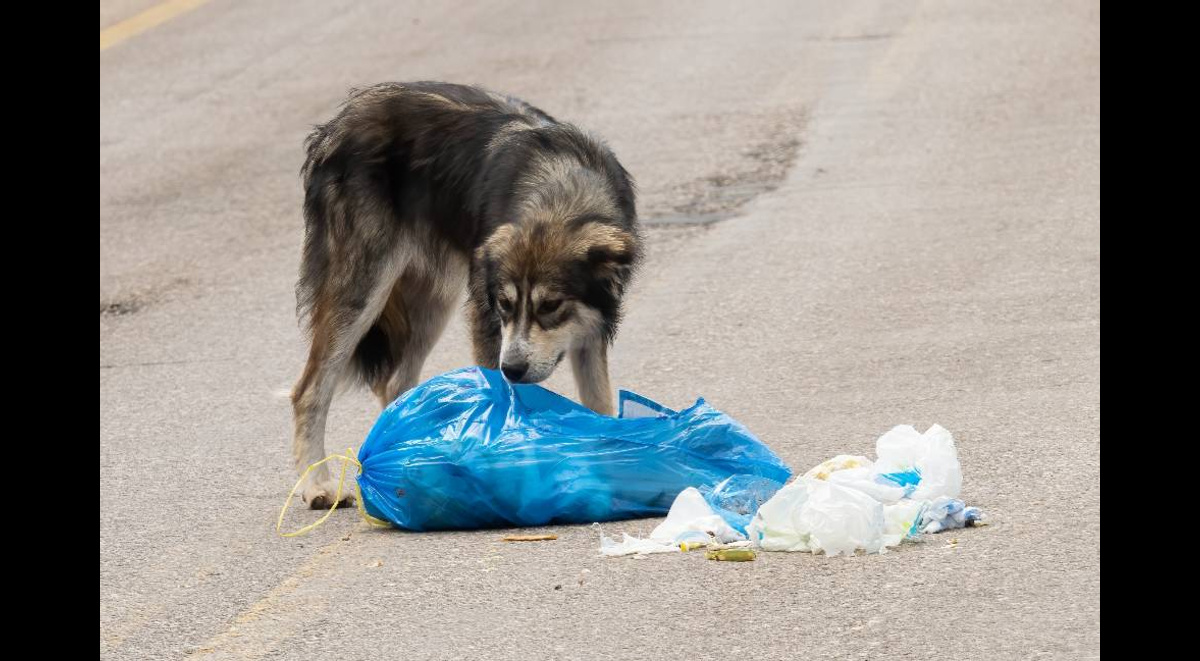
x=469 y=450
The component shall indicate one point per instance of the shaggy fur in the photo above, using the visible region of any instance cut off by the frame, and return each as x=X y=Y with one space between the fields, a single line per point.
x=417 y=190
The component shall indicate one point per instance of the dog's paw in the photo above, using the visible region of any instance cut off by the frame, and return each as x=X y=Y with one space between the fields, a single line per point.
x=320 y=495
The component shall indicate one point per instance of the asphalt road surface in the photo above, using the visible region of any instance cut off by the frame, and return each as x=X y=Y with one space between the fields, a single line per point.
x=861 y=214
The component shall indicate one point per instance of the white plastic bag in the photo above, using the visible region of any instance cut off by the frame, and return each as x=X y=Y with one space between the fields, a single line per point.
x=931 y=455
x=691 y=518
x=819 y=516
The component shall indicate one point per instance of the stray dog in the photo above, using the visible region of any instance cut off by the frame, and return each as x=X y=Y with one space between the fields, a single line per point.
x=415 y=190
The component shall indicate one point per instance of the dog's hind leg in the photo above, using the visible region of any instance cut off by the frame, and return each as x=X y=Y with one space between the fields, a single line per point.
x=413 y=320
x=347 y=303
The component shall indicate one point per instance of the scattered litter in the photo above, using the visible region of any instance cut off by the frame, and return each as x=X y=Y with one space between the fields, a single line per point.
x=849 y=503
x=530 y=538
x=846 y=505
x=469 y=450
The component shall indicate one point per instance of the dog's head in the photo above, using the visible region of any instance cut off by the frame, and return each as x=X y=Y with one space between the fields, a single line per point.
x=554 y=287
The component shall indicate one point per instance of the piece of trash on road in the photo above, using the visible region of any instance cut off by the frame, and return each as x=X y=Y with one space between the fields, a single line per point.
x=731 y=555
x=948 y=514
x=631 y=545
x=530 y=538
x=691 y=523
x=738 y=497
x=692 y=519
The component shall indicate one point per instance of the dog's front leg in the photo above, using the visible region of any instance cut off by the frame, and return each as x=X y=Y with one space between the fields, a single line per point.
x=589 y=361
x=483 y=322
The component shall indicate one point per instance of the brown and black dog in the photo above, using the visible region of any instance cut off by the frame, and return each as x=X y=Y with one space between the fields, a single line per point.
x=417 y=190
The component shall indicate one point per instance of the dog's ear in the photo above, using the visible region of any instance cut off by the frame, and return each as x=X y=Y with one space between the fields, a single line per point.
x=611 y=257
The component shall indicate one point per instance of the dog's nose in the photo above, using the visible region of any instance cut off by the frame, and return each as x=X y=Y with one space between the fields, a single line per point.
x=514 y=371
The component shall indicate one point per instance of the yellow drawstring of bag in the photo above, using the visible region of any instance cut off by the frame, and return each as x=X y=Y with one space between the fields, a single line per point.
x=347 y=459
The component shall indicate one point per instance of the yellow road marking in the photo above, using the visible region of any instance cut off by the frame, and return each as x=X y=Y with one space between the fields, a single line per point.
x=135 y=25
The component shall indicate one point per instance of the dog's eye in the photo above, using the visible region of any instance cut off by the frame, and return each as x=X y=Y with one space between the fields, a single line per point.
x=549 y=306
x=505 y=306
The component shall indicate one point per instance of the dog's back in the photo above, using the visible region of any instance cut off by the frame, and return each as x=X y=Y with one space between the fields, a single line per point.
x=408 y=151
